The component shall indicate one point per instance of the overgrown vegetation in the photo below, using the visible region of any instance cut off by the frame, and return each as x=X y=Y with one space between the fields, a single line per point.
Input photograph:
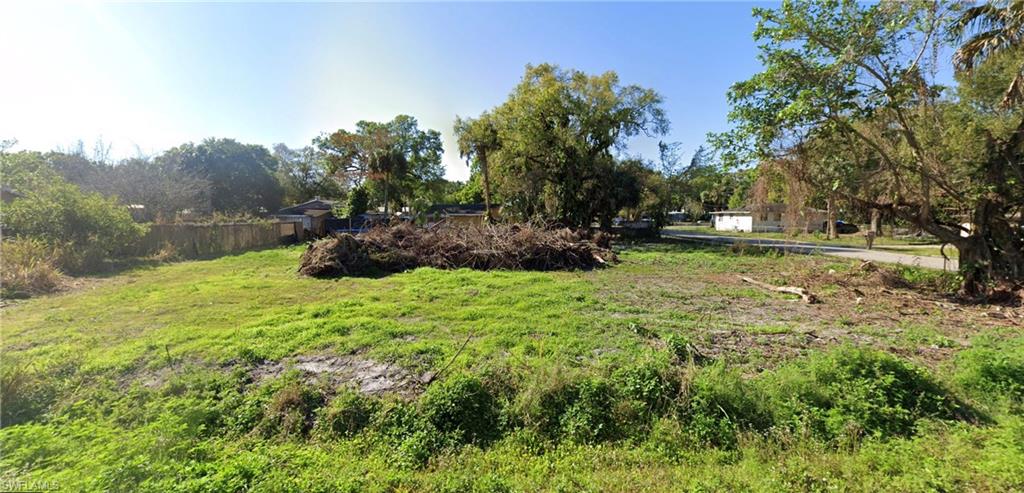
x=540 y=380
x=73 y=230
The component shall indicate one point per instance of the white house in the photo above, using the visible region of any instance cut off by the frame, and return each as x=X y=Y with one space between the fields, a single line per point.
x=768 y=219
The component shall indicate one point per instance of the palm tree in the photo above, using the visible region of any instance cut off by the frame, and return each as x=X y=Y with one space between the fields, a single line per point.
x=997 y=27
x=387 y=164
x=477 y=137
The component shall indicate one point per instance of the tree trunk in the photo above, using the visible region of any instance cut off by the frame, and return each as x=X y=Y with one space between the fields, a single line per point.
x=876 y=222
x=387 y=217
x=487 y=187
x=831 y=230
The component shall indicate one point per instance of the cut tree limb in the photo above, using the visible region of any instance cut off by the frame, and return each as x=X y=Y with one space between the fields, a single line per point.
x=803 y=293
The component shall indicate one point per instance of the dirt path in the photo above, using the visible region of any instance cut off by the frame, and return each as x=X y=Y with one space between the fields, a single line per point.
x=927 y=262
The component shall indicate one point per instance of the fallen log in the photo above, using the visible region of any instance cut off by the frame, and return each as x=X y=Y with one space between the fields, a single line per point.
x=801 y=292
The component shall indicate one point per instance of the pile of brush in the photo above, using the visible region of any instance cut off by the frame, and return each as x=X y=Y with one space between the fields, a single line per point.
x=402 y=247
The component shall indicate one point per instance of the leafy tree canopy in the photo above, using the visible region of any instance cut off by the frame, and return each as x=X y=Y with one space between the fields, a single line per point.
x=557 y=134
x=241 y=175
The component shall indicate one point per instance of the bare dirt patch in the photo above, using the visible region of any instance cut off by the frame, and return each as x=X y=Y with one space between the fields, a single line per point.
x=873 y=306
x=364 y=374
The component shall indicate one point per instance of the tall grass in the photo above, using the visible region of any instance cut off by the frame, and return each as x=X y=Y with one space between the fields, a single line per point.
x=28 y=267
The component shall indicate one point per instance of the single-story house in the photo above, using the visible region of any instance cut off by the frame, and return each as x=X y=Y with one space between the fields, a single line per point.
x=313 y=214
x=355 y=225
x=769 y=218
x=469 y=214
x=675 y=217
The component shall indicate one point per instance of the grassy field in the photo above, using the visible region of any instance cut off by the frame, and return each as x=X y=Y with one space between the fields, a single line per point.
x=664 y=372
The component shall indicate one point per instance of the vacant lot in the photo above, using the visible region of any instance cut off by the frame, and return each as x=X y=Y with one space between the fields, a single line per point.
x=666 y=371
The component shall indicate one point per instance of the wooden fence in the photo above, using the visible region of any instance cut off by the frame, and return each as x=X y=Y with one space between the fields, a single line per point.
x=202 y=240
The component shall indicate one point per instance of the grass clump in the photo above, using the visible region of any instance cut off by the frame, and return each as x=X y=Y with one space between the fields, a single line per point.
x=463 y=409
x=558 y=405
x=25 y=394
x=291 y=411
x=992 y=368
x=28 y=268
x=347 y=414
x=849 y=393
x=717 y=404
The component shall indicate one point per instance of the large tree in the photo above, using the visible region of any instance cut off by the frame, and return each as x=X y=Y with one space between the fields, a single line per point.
x=303 y=174
x=846 y=98
x=160 y=187
x=557 y=135
x=392 y=159
x=241 y=176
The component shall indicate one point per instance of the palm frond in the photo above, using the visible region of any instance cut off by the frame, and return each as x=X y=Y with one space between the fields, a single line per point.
x=1014 y=95
x=979 y=47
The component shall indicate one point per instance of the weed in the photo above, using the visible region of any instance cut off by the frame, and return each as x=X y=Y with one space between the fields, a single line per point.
x=461 y=407
x=850 y=393
x=347 y=414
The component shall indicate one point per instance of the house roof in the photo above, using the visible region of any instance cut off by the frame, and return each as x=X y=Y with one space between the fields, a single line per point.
x=315 y=204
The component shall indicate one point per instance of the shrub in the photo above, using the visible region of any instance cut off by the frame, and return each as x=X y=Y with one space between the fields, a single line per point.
x=462 y=407
x=346 y=414
x=588 y=418
x=647 y=384
x=717 y=404
x=85 y=226
x=291 y=411
x=992 y=368
x=28 y=268
x=848 y=393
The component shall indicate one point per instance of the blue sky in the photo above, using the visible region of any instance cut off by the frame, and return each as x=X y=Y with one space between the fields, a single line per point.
x=153 y=76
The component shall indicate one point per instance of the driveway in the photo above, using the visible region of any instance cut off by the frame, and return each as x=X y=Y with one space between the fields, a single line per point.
x=927 y=262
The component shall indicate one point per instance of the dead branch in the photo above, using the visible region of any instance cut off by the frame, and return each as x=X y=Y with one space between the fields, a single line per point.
x=803 y=293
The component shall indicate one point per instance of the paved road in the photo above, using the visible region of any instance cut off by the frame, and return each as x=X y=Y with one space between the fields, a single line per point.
x=808 y=248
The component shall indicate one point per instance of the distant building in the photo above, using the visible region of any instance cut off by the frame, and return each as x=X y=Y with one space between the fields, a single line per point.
x=676 y=217
x=769 y=218
x=469 y=214
x=313 y=214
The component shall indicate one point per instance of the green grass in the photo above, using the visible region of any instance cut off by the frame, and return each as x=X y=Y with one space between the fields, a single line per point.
x=558 y=381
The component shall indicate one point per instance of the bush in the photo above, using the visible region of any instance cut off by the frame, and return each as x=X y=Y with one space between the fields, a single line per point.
x=849 y=393
x=291 y=411
x=28 y=268
x=346 y=414
x=85 y=227
x=589 y=416
x=717 y=404
x=461 y=407
x=648 y=385
x=992 y=368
